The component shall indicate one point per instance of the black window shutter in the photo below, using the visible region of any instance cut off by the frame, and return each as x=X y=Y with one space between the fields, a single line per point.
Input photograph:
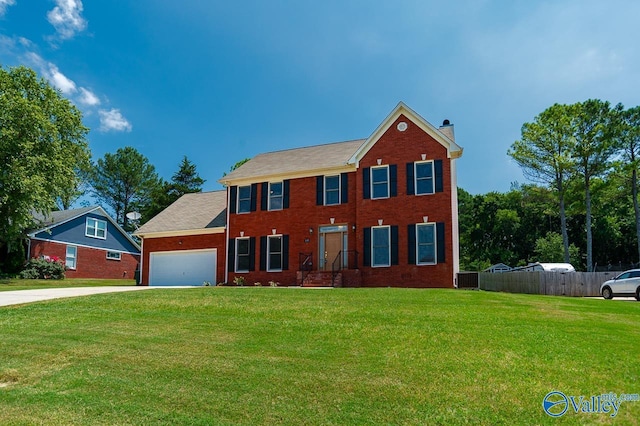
x=264 y=197
x=366 y=249
x=394 y=244
x=254 y=196
x=344 y=188
x=411 y=243
x=285 y=252
x=319 y=190
x=437 y=165
x=233 y=199
x=231 y=255
x=263 y=253
x=366 y=183
x=252 y=253
x=440 y=241
x=393 y=180
x=285 y=196
x=410 y=179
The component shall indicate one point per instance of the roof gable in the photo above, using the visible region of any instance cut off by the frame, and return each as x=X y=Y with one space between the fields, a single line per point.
x=58 y=222
x=453 y=149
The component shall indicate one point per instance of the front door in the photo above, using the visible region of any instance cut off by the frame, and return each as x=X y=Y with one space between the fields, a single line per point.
x=332 y=247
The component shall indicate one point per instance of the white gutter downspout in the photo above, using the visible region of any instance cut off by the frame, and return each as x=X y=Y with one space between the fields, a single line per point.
x=226 y=240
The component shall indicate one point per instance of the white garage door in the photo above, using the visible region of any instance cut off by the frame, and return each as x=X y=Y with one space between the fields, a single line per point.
x=188 y=267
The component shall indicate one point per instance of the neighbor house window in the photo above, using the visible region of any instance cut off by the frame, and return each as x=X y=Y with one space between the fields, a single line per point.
x=274 y=250
x=96 y=228
x=114 y=255
x=331 y=190
x=275 y=196
x=71 y=257
x=243 y=254
x=244 y=199
x=426 y=243
x=380 y=182
x=380 y=246
x=424 y=177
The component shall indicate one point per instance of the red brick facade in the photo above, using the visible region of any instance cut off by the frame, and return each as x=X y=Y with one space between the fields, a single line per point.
x=301 y=221
x=189 y=242
x=90 y=262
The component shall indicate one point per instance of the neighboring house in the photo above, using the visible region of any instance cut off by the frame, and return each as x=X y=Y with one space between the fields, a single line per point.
x=184 y=244
x=498 y=268
x=89 y=241
x=380 y=211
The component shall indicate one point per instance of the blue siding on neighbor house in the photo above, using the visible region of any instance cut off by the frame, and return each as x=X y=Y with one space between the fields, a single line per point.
x=73 y=232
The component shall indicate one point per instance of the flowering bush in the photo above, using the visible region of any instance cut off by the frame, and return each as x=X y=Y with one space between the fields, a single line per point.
x=44 y=268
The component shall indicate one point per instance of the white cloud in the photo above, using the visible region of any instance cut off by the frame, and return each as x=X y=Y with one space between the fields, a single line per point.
x=67 y=18
x=4 y=4
x=113 y=120
x=60 y=80
x=87 y=97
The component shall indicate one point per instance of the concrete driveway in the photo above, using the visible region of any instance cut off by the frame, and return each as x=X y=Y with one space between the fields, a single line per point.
x=19 y=297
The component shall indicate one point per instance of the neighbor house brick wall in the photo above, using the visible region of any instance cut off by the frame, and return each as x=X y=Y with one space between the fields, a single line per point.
x=189 y=242
x=90 y=262
x=400 y=148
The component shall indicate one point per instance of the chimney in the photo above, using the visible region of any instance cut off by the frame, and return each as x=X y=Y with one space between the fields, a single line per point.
x=447 y=130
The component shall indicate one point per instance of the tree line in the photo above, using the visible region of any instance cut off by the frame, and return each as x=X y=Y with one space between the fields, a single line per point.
x=46 y=166
x=582 y=204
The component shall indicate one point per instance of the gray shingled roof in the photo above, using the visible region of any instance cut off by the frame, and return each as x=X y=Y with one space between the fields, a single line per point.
x=59 y=216
x=200 y=210
x=305 y=159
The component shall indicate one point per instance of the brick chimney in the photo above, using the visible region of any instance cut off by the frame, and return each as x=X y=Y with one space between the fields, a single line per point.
x=447 y=130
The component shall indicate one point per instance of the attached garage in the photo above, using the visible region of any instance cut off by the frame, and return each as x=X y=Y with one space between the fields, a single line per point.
x=185 y=267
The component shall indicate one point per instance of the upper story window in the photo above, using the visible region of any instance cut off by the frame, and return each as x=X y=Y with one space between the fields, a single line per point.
x=275 y=196
x=96 y=228
x=331 y=190
x=380 y=246
x=426 y=243
x=274 y=249
x=424 y=182
x=244 y=199
x=243 y=254
x=380 y=182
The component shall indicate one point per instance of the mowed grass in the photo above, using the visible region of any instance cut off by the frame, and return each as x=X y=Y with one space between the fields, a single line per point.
x=7 y=284
x=251 y=356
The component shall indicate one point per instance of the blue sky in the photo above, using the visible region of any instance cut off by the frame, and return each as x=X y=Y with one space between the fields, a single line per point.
x=221 y=81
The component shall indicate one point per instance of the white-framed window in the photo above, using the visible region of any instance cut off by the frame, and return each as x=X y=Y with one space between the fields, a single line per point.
x=380 y=182
x=71 y=257
x=244 y=199
x=275 y=195
x=243 y=254
x=114 y=255
x=426 y=247
x=424 y=181
x=331 y=190
x=96 y=228
x=274 y=253
x=380 y=246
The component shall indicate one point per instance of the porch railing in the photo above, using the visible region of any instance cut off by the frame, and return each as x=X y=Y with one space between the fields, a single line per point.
x=346 y=259
x=305 y=265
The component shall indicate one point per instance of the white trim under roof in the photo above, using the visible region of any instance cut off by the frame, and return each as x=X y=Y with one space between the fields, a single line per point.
x=453 y=149
x=183 y=233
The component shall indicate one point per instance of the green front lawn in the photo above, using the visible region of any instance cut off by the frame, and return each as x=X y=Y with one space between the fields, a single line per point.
x=290 y=356
x=19 y=284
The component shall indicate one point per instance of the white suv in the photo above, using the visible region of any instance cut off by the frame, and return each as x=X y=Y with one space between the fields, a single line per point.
x=625 y=284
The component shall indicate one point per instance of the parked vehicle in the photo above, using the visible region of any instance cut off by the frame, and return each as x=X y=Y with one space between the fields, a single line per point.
x=624 y=285
x=545 y=267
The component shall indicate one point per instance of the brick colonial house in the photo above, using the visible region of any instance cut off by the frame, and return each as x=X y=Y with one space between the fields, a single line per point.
x=380 y=211
x=89 y=241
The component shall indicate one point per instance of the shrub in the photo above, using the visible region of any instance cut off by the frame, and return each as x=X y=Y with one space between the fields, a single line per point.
x=44 y=268
x=239 y=281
